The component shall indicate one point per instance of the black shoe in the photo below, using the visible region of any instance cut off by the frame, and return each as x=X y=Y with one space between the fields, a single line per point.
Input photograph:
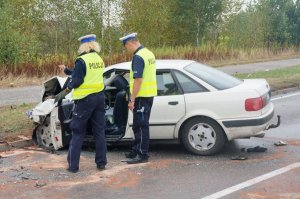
x=131 y=155
x=138 y=159
x=72 y=170
x=257 y=149
x=100 y=166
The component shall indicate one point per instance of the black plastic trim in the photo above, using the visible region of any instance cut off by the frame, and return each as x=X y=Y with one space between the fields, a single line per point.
x=169 y=124
x=248 y=122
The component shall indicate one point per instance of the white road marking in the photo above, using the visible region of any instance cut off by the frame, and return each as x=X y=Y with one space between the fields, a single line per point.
x=285 y=96
x=252 y=181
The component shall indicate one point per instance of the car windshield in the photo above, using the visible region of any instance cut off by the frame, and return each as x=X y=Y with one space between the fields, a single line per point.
x=214 y=77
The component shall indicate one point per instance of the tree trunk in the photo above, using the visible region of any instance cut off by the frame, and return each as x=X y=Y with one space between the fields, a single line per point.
x=198 y=30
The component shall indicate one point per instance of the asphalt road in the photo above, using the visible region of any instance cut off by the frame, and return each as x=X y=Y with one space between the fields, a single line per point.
x=261 y=66
x=33 y=94
x=171 y=172
x=20 y=95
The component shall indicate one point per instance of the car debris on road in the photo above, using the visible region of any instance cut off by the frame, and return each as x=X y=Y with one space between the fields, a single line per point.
x=254 y=149
x=40 y=184
x=239 y=157
x=257 y=149
x=280 y=143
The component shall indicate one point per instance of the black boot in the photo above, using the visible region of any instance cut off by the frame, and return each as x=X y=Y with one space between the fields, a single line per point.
x=138 y=159
x=72 y=170
x=100 y=167
x=131 y=154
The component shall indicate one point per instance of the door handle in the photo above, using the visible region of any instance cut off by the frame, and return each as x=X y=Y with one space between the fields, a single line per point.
x=173 y=103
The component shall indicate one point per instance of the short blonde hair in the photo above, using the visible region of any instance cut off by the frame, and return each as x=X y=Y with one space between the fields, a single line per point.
x=88 y=46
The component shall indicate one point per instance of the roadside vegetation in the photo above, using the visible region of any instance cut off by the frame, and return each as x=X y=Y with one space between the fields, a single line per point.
x=36 y=72
x=278 y=79
x=37 y=35
x=14 y=122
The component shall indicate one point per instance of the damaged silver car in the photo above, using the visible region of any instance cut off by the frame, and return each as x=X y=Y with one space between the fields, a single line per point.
x=197 y=106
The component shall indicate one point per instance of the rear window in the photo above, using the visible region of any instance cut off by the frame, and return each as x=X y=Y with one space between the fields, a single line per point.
x=187 y=84
x=214 y=77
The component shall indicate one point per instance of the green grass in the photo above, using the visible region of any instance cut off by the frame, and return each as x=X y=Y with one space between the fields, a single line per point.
x=14 y=122
x=279 y=78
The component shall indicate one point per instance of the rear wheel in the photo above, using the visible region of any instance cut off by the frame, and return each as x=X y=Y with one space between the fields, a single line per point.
x=202 y=136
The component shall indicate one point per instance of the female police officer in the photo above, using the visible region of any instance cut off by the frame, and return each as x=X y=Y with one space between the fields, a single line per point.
x=142 y=89
x=87 y=82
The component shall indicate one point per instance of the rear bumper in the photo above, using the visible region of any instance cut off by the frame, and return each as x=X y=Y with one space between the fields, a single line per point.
x=246 y=128
x=249 y=122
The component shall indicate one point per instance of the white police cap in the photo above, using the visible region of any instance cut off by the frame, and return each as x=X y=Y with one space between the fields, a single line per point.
x=87 y=38
x=128 y=37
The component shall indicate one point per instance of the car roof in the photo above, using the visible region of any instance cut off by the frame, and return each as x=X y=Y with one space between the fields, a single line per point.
x=160 y=64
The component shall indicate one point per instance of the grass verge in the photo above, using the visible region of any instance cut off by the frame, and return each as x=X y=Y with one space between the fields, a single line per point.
x=14 y=122
x=279 y=78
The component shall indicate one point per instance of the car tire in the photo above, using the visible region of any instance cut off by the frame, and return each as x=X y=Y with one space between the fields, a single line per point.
x=40 y=133
x=202 y=136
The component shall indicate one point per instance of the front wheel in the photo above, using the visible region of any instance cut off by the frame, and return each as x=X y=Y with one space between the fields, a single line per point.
x=202 y=136
x=42 y=135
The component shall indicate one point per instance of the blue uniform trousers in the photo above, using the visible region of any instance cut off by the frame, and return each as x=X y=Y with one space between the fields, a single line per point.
x=88 y=110
x=140 y=127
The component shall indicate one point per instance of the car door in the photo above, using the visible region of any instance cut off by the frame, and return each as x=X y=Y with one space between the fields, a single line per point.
x=168 y=106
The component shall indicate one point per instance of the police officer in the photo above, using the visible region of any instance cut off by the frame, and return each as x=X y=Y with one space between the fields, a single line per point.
x=143 y=88
x=87 y=82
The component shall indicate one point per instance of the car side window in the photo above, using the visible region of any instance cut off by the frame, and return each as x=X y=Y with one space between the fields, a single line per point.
x=188 y=85
x=166 y=84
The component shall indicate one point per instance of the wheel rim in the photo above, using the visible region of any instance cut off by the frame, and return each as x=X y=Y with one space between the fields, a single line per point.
x=44 y=134
x=202 y=137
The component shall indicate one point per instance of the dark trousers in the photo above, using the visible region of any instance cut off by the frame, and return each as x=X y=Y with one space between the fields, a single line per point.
x=88 y=110
x=140 y=127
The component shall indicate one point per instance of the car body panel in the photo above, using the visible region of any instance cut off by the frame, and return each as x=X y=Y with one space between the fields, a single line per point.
x=161 y=121
x=56 y=129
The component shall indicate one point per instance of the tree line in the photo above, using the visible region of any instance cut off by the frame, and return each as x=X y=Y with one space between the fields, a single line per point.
x=36 y=29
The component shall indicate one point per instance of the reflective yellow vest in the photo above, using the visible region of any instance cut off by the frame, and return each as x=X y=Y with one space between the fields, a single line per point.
x=149 y=85
x=93 y=80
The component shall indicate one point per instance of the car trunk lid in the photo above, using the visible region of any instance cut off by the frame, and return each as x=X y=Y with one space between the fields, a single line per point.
x=260 y=85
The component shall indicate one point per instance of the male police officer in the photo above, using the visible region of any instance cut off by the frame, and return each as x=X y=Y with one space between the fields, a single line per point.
x=87 y=82
x=143 y=88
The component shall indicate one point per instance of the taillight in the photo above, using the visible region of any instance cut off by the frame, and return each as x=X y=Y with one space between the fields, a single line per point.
x=254 y=104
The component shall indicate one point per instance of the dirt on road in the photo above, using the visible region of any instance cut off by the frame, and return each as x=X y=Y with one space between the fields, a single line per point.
x=34 y=173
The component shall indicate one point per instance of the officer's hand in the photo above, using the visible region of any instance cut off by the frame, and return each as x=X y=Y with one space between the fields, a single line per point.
x=61 y=95
x=131 y=105
x=62 y=67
